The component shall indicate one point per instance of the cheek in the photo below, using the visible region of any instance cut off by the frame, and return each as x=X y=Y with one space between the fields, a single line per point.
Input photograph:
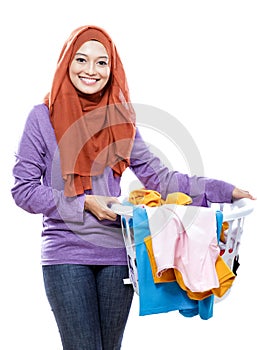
x=71 y=72
x=72 y=69
x=73 y=75
x=107 y=73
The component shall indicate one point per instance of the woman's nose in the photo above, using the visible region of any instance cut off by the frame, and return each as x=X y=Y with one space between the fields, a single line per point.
x=90 y=68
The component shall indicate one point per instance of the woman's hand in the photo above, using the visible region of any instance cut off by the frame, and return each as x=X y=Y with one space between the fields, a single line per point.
x=238 y=194
x=99 y=206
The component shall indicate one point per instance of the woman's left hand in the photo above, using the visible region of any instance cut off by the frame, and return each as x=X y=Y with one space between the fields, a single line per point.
x=238 y=194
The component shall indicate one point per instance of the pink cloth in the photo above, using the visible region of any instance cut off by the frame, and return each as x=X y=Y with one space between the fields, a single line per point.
x=185 y=238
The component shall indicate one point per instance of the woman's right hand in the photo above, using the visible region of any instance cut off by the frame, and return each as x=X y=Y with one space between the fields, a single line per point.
x=100 y=207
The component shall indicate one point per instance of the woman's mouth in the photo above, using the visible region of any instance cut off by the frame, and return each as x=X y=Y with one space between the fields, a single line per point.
x=89 y=81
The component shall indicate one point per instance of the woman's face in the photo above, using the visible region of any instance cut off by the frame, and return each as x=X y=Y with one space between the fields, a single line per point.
x=90 y=69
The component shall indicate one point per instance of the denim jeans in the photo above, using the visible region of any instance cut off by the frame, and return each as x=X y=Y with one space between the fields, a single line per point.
x=91 y=304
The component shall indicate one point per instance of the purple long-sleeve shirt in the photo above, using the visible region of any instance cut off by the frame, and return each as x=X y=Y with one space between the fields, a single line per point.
x=70 y=234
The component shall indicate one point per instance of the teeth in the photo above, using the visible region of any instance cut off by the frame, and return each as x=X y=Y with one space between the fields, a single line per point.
x=89 y=81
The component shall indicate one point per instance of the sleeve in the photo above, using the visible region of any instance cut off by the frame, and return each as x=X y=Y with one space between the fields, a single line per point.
x=30 y=168
x=154 y=175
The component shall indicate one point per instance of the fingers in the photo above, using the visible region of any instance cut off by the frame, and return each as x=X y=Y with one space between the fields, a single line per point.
x=99 y=206
x=111 y=200
x=239 y=193
x=106 y=214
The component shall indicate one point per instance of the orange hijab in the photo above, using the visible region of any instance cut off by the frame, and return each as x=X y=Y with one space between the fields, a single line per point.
x=92 y=131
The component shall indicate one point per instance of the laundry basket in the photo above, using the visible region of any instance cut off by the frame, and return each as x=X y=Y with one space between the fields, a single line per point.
x=234 y=215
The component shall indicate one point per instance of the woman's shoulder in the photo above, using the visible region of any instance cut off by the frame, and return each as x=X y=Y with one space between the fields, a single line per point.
x=40 y=111
x=39 y=114
x=38 y=118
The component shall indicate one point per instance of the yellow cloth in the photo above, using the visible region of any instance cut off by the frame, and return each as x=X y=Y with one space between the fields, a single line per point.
x=153 y=198
x=225 y=275
x=146 y=197
x=178 y=198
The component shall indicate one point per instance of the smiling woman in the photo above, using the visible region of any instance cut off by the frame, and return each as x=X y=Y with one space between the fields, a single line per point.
x=89 y=71
x=95 y=117
x=72 y=154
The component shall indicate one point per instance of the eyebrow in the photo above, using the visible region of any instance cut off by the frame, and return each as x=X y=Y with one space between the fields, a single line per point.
x=83 y=54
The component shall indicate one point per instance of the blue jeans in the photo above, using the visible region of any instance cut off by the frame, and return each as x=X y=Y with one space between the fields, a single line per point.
x=91 y=304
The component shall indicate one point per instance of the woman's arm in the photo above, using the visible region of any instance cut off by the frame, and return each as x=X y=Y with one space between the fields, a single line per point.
x=154 y=175
x=33 y=173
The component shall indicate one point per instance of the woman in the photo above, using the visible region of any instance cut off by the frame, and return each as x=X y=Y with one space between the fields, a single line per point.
x=73 y=151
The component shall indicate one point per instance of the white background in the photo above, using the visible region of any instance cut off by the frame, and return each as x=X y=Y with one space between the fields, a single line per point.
x=196 y=60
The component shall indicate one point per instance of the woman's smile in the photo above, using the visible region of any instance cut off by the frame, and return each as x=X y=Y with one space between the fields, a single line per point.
x=88 y=81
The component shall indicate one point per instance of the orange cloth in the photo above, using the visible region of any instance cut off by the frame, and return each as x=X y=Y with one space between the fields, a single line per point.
x=92 y=131
x=167 y=275
x=153 y=198
x=226 y=278
x=224 y=228
x=225 y=275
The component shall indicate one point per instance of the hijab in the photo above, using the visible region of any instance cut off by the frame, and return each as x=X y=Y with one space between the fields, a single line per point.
x=92 y=131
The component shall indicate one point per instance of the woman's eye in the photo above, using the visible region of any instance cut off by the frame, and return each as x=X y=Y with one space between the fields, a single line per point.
x=102 y=63
x=80 y=59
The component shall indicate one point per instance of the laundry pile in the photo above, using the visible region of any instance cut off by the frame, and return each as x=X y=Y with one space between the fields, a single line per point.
x=179 y=266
